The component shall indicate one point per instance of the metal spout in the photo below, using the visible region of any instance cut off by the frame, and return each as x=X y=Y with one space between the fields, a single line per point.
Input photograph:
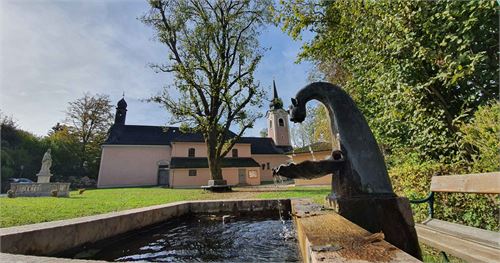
x=360 y=169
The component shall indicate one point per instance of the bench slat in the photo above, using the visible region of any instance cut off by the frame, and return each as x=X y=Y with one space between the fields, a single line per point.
x=465 y=249
x=486 y=237
x=485 y=183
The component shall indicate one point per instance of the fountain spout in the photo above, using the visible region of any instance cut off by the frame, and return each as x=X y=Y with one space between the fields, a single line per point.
x=361 y=188
x=361 y=170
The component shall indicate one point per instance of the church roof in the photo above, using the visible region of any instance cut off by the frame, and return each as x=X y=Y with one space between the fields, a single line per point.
x=141 y=135
x=122 y=104
x=165 y=135
x=202 y=162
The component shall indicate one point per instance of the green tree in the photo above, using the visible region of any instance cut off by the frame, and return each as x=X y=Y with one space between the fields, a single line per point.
x=65 y=152
x=213 y=52
x=21 y=152
x=88 y=119
x=417 y=69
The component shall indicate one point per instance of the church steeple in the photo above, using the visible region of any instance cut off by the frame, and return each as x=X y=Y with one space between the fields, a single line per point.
x=277 y=119
x=121 y=112
x=276 y=102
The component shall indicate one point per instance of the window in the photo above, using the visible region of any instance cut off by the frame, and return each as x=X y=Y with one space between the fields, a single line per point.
x=270 y=124
x=252 y=174
x=235 y=152
x=268 y=166
x=191 y=152
x=192 y=172
x=281 y=123
x=263 y=166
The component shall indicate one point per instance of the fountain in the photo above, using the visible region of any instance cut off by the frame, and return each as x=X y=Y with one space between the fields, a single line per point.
x=361 y=188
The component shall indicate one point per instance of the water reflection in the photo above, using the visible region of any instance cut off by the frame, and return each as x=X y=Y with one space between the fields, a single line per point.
x=205 y=238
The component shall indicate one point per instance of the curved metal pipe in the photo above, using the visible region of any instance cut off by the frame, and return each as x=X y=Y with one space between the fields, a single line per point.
x=364 y=171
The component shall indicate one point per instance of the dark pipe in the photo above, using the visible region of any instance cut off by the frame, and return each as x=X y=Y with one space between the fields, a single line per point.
x=361 y=170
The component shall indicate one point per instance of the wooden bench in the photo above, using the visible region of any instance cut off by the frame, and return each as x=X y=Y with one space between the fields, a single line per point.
x=469 y=243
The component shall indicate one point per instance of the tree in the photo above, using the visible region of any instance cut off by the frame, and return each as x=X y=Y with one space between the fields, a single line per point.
x=21 y=152
x=263 y=133
x=417 y=69
x=66 y=154
x=213 y=52
x=89 y=119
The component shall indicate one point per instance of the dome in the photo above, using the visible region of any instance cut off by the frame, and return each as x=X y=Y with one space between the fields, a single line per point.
x=122 y=104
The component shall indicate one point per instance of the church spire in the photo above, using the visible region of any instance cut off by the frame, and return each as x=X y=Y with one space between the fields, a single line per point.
x=276 y=102
x=275 y=96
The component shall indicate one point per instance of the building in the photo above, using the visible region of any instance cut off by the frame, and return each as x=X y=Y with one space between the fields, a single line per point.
x=314 y=152
x=136 y=155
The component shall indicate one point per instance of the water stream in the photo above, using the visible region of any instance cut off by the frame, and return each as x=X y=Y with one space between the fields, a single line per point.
x=287 y=230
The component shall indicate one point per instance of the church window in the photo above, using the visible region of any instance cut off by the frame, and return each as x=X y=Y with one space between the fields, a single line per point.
x=191 y=152
x=281 y=122
x=192 y=172
x=235 y=152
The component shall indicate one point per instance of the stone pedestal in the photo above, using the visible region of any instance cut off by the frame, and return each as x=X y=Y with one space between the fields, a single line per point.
x=43 y=178
x=40 y=189
x=391 y=215
x=217 y=186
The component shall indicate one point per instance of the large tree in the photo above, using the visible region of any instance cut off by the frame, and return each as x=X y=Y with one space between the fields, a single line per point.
x=213 y=52
x=89 y=119
x=417 y=69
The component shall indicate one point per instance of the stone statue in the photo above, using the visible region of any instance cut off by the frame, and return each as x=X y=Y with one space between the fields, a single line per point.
x=44 y=174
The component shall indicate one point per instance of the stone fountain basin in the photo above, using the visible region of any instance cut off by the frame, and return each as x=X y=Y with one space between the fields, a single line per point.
x=36 y=242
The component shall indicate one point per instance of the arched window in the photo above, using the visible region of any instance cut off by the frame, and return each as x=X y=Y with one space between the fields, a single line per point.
x=191 y=152
x=235 y=152
x=281 y=122
x=270 y=124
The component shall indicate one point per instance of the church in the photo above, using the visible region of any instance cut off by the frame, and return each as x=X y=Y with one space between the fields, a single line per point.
x=138 y=155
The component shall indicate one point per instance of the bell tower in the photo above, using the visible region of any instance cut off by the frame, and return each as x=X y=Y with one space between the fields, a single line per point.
x=277 y=121
x=121 y=112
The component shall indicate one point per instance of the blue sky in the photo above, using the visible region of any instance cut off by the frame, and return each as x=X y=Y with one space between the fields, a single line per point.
x=54 y=51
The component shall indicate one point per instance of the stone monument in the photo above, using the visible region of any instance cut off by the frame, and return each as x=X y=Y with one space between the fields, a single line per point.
x=44 y=174
x=43 y=186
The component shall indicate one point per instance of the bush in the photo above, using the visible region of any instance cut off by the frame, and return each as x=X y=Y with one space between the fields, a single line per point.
x=412 y=179
x=482 y=133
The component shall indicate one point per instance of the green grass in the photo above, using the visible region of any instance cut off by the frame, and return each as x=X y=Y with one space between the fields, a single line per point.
x=29 y=210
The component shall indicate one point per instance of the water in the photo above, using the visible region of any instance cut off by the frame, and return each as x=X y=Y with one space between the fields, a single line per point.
x=198 y=238
x=286 y=231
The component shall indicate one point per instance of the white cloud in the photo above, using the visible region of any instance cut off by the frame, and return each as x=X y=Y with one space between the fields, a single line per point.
x=54 y=51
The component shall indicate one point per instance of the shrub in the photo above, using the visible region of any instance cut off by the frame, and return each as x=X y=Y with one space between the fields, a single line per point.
x=412 y=179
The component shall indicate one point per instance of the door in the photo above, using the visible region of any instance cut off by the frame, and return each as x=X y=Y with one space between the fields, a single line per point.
x=241 y=176
x=163 y=175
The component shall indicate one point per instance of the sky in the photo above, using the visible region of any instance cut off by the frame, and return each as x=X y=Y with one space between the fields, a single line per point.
x=52 y=52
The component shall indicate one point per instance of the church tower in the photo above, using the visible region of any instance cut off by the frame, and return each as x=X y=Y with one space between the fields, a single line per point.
x=121 y=112
x=277 y=121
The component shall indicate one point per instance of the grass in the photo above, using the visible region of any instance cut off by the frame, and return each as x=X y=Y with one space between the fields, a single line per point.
x=29 y=210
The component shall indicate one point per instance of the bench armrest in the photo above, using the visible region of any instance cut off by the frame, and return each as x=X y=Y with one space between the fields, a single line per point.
x=430 y=200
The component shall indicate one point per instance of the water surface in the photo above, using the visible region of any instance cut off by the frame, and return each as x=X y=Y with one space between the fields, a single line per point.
x=203 y=238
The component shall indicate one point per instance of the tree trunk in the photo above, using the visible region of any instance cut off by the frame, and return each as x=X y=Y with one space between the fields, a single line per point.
x=213 y=160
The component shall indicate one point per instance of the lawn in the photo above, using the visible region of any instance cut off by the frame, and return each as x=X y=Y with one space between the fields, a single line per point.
x=29 y=210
